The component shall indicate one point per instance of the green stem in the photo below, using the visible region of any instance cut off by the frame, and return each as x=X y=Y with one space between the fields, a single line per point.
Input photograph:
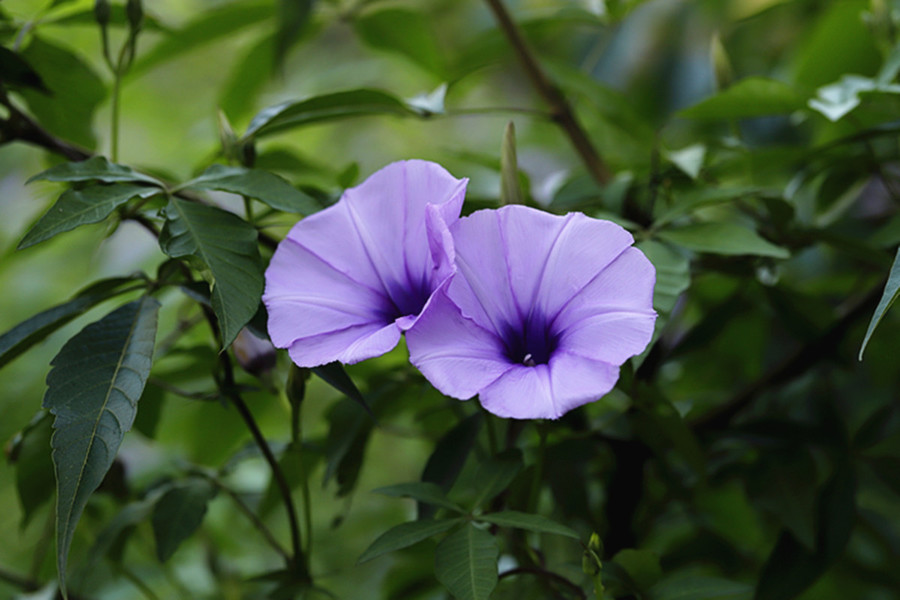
x=114 y=128
x=534 y=495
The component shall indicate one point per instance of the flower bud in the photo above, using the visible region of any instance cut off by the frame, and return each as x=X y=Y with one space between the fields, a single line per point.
x=134 y=11
x=102 y=12
x=255 y=355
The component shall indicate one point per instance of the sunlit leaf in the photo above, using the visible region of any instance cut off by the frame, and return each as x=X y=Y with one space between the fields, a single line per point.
x=66 y=76
x=96 y=168
x=328 y=107
x=178 y=514
x=255 y=183
x=718 y=237
x=93 y=390
x=91 y=204
x=891 y=291
x=405 y=535
x=466 y=563
x=403 y=31
x=227 y=246
x=528 y=522
x=750 y=97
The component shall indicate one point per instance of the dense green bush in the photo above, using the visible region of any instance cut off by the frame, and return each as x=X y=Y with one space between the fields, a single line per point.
x=151 y=159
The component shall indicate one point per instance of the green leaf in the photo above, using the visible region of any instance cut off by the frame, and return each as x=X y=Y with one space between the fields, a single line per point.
x=696 y=587
x=729 y=239
x=178 y=514
x=336 y=376
x=247 y=79
x=423 y=491
x=673 y=274
x=528 y=522
x=642 y=567
x=227 y=246
x=466 y=563
x=255 y=183
x=449 y=456
x=786 y=486
x=93 y=390
x=689 y=159
x=405 y=535
x=30 y=452
x=81 y=207
x=405 y=32
x=293 y=15
x=31 y=331
x=510 y=190
x=16 y=72
x=67 y=76
x=209 y=26
x=750 y=97
x=836 y=100
x=96 y=168
x=891 y=291
x=496 y=473
x=348 y=434
x=328 y=107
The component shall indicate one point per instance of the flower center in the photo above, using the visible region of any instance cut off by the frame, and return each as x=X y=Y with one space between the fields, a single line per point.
x=531 y=343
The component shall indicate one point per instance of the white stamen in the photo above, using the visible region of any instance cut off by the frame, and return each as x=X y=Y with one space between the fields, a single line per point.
x=528 y=361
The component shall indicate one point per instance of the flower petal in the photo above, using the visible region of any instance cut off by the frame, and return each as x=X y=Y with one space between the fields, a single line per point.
x=549 y=391
x=348 y=346
x=625 y=285
x=610 y=337
x=457 y=355
x=365 y=266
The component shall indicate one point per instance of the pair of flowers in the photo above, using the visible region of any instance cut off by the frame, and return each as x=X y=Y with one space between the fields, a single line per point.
x=531 y=311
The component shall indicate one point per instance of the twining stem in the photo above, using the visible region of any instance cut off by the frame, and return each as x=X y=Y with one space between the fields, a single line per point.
x=257 y=523
x=561 y=111
x=549 y=575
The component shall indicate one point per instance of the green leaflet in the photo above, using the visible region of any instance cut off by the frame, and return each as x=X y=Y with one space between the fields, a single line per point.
x=406 y=534
x=723 y=238
x=466 y=563
x=80 y=207
x=328 y=107
x=891 y=291
x=227 y=246
x=750 y=97
x=255 y=183
x=529 y=522
x=178 y=514
x=31 y=331
x=423 y=491
x=95 y=168
x=93 y=390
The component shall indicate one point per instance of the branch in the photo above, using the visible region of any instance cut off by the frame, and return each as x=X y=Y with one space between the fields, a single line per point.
x=560 y=110
x=803 y=359
x=550 y=575
x=21 y=127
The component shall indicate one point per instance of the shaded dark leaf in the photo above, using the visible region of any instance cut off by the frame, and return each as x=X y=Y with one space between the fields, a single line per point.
x=178 y=514
x=405 y=535
x=465 y=562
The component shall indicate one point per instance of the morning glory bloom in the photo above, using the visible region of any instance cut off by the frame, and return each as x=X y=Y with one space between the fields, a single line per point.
x=347 y=281
x=541 y=313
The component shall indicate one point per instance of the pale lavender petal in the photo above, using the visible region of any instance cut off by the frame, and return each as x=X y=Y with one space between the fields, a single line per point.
x=482 y=289
x=457 y=355
x=306 y=296
x=549 y=391
x=625 y=285
x=349 y=279
x=611 y=337
x=348 y=346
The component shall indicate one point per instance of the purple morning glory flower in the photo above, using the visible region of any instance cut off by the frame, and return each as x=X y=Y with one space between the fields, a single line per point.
x=347 y=281
x=541 y=313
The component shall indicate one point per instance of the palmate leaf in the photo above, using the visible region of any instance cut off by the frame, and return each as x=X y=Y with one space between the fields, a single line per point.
x=95 y=168
x=328 y=107
x=405 y=535
x=31 y=331
x=466 y=563
x=255 y=183
x=80 y=207
x=93 y=390
x=227 y=246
